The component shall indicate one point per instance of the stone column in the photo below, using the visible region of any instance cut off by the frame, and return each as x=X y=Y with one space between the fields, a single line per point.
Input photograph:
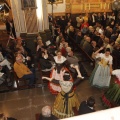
x=30 y=21
x=18 y=17
x=42 y=15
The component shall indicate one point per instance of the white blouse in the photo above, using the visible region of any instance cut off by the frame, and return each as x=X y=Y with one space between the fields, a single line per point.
x=61 y=60
x=108 y=59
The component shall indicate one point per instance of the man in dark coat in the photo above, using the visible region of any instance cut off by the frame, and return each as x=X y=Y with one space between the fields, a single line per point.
x=87 y=106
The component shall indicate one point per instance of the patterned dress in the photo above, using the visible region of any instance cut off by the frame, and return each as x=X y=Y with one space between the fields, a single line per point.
x=111 y=98
x=65 y=101
x=100 y=76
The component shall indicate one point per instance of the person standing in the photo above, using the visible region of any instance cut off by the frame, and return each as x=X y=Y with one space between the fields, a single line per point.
x=66 y=100
x=101 y=74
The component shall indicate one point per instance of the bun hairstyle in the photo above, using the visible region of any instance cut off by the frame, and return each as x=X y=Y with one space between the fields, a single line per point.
x=66 y=76
x=107 y=50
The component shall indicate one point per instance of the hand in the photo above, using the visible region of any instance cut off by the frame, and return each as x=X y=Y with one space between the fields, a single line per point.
x=30 y=72
x=101 y=48
x=71 y=65
x=43 y=77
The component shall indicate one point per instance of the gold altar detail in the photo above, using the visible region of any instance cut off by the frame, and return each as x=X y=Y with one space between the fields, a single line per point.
x=82 y=6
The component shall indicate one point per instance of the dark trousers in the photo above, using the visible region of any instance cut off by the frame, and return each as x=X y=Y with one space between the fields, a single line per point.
x=30 y=77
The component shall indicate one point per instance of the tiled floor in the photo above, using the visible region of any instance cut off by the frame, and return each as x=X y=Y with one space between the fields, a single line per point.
x=24 y=104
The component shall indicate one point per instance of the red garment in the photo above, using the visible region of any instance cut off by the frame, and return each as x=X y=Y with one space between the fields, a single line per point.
x=57 y=85
x=85 y=23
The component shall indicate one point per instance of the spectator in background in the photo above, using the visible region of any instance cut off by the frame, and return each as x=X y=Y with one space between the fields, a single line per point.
x=94 y=19
x=101 y=41
x=74 y=63
x=79 y=20
x=40 y=44
x=23 y=71
x=87 y=47
x=104 y=19
x=116 y=56
x=87 y=106
x=58 y=39
x=78 y=37
x=84 y=29
x=46 y=114
x=68 y=18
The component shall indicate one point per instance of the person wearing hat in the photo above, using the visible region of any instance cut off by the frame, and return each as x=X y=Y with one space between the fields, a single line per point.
x=66 y=100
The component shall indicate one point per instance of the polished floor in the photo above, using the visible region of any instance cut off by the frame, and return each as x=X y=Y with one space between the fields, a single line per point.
x=24 y=104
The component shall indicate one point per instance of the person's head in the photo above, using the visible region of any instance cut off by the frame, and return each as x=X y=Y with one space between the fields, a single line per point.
x=91 y=101
x=69 y=23
x=106 y=40
x=102 y=36
x=19 y=38
x=79 y=33
x=19 y=41
x=40 y=42
x=19 y=58
x=66 y=76
x=70 y=53
x=68 y=49
x=46 y=111
x=107 y=52
x=59 y=54
x=93 y=43
x=88 y=39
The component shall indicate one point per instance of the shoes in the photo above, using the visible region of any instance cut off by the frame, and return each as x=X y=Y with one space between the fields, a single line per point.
x=81 y=77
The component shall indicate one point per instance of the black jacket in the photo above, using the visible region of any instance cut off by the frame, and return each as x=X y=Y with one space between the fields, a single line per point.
x=83 y=109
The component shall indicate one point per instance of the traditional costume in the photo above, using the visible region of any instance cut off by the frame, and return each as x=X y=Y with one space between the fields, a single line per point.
x=57 y=74
x=66 y=100
x=111 y=97
x=100 y=76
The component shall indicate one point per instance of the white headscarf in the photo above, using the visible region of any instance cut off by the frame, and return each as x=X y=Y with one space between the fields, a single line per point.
x=116 y=73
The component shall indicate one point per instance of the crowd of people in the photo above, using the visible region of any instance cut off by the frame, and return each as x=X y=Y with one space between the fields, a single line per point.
x=98 y=35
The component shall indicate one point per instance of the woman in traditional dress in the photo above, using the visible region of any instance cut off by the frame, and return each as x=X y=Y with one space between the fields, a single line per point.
x=66 y=100
x=111 y=98
x=101 y=74
x=57 y=73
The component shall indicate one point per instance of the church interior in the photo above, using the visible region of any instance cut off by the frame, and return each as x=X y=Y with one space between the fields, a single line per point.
x=57 y=56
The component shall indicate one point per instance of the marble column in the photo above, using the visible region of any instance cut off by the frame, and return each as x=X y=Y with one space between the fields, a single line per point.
x=18 y=17
x=42 y=15
x=30 y=21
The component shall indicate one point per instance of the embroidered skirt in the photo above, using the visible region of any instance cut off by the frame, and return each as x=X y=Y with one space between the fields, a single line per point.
x=64 y=104
x=111 y=98
x=100 y=76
